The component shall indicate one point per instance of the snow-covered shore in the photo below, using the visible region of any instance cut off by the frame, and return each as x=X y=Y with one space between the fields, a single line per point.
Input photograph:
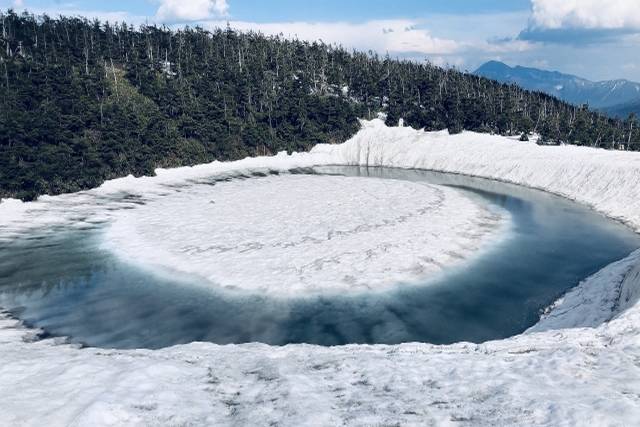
x=577 y=366
x=571 y=377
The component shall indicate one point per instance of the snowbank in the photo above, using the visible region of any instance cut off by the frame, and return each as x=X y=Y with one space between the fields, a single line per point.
x=584 y=375
x=570 y=377
x=597 y=299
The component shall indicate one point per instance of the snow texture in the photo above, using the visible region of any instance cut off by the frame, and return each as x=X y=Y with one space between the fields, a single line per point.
x=578 y=366
x=306 y=234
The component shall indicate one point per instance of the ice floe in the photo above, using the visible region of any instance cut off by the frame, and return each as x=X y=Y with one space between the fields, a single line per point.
x=301 y=234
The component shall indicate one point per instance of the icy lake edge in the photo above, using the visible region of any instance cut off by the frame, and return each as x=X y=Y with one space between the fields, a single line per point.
x=601 y=179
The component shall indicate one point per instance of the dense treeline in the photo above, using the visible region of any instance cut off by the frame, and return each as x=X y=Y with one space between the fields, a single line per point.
x=81 y=101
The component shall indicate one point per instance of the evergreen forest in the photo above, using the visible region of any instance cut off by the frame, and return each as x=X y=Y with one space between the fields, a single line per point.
x=85 y=101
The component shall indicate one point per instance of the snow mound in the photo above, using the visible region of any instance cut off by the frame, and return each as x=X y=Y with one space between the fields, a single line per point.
x=300 y=234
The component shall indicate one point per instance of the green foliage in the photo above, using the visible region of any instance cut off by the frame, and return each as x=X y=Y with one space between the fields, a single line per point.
x=82 y=102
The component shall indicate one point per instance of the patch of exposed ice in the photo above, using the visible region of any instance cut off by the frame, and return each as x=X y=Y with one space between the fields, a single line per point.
x=300 y=234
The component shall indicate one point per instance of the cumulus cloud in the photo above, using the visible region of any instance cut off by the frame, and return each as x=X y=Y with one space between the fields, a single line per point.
x=582 y=22
x=586 y=14
x=190 y=10
x=395 y=36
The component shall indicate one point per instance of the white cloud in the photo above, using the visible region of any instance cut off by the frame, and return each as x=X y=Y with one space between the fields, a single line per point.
x=190 y=10
x=508 y=45
x=70 y=10
x=18 y=3
x=447 y=62
x=394 y=36
x=586 y=14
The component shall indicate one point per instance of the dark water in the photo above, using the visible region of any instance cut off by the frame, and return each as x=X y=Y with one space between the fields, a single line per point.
x=65 y=284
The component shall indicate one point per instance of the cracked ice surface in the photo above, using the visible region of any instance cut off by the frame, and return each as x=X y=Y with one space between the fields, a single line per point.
x=299 y=234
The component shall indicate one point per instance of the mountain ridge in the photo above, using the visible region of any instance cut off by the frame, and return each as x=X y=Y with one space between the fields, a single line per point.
x=608 y=96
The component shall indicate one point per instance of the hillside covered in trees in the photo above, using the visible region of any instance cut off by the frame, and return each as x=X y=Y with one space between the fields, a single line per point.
x=84 y=101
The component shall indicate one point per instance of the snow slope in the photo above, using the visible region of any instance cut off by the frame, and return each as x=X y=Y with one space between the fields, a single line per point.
x=580 y=368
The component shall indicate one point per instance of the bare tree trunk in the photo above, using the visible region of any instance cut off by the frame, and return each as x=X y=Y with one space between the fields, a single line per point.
x=86 y=60
x=115 y=78
x=6 y=75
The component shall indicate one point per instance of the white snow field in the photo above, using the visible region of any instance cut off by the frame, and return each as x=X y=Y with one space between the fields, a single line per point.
x=580 y=365
x=306 y=234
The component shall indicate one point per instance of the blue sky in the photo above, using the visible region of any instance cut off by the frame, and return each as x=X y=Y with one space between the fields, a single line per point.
x=590 y=38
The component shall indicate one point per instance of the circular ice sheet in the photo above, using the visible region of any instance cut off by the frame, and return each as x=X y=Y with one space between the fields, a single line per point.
x=292 y=235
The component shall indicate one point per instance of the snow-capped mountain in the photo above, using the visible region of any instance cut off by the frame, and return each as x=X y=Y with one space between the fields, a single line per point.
x=616 y=97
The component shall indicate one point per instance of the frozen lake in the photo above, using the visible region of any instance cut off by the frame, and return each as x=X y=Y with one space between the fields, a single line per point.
x=70 y=284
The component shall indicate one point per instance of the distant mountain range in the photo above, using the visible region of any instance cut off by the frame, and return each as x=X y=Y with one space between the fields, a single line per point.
x=614 y=97
x=623 y=110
